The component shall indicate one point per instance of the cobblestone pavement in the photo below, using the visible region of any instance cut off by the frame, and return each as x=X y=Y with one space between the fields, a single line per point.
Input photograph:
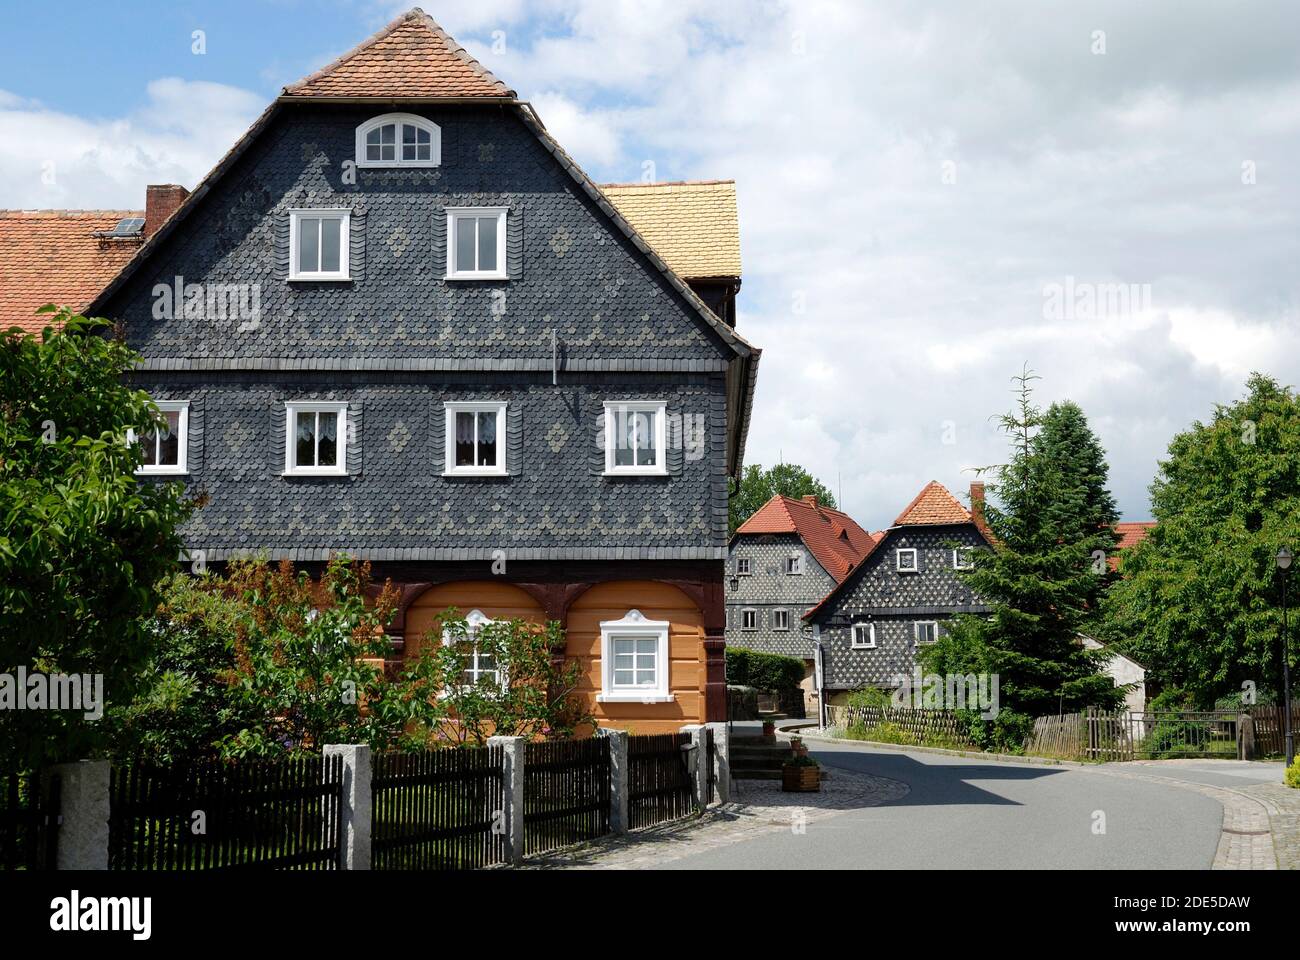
x=759 y=806
x=1283 y=805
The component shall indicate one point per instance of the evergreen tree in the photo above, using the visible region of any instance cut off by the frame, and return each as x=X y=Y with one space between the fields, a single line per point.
x=1039 y=583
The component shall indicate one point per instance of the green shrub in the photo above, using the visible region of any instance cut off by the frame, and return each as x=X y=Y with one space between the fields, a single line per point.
x=765 y=671
x=868 y=697
x=1293 y=775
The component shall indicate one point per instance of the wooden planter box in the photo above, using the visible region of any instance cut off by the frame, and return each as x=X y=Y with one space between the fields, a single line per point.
x=801 y=779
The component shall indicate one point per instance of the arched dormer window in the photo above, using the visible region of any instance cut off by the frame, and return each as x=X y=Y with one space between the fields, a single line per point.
x=480 y=665
x=399 y=140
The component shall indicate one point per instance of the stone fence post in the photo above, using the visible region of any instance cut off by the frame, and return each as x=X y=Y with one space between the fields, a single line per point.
x=354 y=838
x=513 y=784
x=721 y=761
x=83 y=817
x=618 y=780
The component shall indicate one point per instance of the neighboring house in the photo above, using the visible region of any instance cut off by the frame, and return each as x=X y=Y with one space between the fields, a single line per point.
x=398 y=321
x=781 y=562
x=897 y=597
x=1124 y=671
x=1129 y=536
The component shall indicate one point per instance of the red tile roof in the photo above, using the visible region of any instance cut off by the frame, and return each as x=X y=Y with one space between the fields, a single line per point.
x=933 y=506
x=1130 y=535
x=411 y=57
x=52 y=256
x=834 y=537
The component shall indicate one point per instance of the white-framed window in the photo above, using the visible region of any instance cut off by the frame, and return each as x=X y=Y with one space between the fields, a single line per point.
x=742 y=566
x=794 y=564
x=165 y=451
x=780 y=619
x=749 y=619
x=636 y=434
x=480 y=666
x=962 y=558
x=906 y=561
x=634 y=660
x=864 y=636
x=316 y=438
x=319 y=244
x=927 y=632
x=399 y=140
x=476 y=439
x=476 y=243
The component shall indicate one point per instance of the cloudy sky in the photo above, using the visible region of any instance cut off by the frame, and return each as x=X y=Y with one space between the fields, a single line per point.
x=933 y=194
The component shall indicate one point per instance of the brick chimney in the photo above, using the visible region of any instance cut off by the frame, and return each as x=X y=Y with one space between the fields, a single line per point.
x=811 y=501
x=977 y=500
x=160 y=202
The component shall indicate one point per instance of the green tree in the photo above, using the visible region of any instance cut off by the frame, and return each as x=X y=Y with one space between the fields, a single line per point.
x=501 y=678
x=84 y=541
x=1038 y=583
x=1200 y=602
x=757 y=486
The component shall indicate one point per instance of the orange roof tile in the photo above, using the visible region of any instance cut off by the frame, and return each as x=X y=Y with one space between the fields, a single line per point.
x=1130 y=535
x=411 y=57
x=52 y=256
x=933 y=506
x=834 y=537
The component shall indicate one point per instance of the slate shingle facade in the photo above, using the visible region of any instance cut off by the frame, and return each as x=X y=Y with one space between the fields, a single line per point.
x=769 y=588
x=895 y=601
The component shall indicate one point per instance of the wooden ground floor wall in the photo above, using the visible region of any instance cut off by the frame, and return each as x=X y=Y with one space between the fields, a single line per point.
x=687 y=653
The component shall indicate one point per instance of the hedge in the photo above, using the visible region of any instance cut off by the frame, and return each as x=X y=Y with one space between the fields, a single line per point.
x=766 y=671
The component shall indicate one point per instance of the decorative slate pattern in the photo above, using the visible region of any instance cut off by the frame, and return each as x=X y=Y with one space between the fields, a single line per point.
x=603 y=299
x=895 y=601
x=769 y=588
x=51 y=256
x=401 y=507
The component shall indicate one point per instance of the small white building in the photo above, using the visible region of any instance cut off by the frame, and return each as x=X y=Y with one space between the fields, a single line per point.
x=1124 y=671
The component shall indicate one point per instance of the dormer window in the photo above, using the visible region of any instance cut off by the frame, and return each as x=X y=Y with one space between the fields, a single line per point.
x=399 y=140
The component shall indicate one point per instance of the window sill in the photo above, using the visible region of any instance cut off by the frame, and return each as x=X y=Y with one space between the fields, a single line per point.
x=320 y=279
x=862 y=648
x=162 y=473
x=476 y=276
x=633 y=698
x=616 y=474
x=398 y=164
x=475 y=474
x=314 y=474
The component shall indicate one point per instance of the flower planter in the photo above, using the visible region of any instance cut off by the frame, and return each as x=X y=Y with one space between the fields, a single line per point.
x=801 y=779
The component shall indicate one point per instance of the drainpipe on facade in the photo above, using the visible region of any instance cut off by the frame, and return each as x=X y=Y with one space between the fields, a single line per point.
x=819 y=676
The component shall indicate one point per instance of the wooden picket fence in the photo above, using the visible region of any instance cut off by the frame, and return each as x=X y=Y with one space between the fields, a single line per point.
x=922 y=725
x=1101 y=736
x=566 y=793
x=1270 y=730
x=659 y=779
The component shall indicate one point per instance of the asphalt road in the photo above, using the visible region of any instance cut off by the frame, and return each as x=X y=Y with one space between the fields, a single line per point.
x=974 y=814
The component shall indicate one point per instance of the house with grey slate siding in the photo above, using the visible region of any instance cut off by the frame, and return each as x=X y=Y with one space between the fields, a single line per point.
x=397 y=321
x=781 y=562
x=896 y=600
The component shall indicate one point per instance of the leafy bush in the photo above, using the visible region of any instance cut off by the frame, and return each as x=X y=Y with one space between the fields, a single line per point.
x=868 y=697
x=765 y=671
x=892 y=733
x=1293 y=775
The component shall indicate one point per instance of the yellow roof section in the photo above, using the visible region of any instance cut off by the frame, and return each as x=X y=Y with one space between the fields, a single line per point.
x=693 y=226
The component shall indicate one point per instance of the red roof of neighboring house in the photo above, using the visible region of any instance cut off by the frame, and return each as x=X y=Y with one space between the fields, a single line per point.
x=1130 y=535
x=411 y=57
x=834 y=537
x=933 y=506
x=52 y=256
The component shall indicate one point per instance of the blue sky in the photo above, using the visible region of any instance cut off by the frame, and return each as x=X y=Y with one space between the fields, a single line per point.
x=918 y=180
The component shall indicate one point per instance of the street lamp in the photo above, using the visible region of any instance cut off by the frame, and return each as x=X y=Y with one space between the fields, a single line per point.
x=1284 y=564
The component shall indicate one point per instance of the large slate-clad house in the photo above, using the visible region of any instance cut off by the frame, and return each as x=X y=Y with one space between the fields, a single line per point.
x=398 y=321
x=897 y=597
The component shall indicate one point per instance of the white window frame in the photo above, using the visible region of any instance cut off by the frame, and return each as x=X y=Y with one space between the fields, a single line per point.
x=743 y=567
x=181 y=467
x=291 y=410
x=744 y=613
x=454 y=407
x=916 y=560
x=475 y=621
x=453 y=269
x=956 y=558
x=435 y=141
x=344 y=271
x=660 y=409
x=634 y=626
x=794 y=565
x=853 y=635
x=916 y=632
x=776 y=619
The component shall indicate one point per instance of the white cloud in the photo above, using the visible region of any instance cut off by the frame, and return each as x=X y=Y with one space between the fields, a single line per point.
x=53 y=159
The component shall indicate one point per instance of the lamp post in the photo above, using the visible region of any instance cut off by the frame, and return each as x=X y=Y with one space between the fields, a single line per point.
x=1284 y=564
